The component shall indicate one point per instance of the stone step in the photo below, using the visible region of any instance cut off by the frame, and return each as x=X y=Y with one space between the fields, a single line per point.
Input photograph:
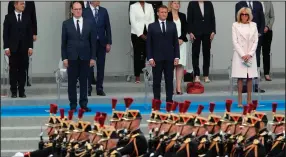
x=127 y=87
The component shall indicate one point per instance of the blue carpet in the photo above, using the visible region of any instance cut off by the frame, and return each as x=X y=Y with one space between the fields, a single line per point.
x=19 y=111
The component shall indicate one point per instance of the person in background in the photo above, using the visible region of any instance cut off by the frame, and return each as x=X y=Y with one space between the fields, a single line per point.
x=181 y=23
x=30 y=11
x=163 y=58
x=18 y=46
x=100 y=18
x=78 y=52
x=202 y=29
x=69 y=6
x=267 y=37
x=155 y=5
x=245 y=40
x=258 y=18
x=141 y=15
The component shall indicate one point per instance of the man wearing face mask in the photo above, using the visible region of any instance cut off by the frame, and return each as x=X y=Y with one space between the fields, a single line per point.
x=137 y=144
x=251 y=146
x=279 y=143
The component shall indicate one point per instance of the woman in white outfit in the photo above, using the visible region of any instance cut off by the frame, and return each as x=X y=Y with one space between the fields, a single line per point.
x=181 y=23
x=245 y=39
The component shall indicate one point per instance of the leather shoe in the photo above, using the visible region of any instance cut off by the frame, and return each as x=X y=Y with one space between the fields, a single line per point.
x=23 y=95
x=101 y=93
x=86 y=109
x=14 y=96
x=260 y=90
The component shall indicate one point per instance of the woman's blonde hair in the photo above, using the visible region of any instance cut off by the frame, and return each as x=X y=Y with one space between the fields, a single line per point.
x=170 y=5
x=248 y=11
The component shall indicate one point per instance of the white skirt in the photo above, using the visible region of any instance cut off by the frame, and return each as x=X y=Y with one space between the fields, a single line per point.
x=183 y=54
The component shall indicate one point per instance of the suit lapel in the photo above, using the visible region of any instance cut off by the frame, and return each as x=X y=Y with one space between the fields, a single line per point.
x=239 y=26
x=73 y=25
x=83 y=28
x=199 y=8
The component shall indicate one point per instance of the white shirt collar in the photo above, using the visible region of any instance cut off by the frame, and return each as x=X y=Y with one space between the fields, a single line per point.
x=80 y=19
x=18 y=13
x=161 y=21
x=92 y=8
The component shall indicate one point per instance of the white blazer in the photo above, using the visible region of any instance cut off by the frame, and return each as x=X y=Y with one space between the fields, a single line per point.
x=245 y=42
x=139 y=18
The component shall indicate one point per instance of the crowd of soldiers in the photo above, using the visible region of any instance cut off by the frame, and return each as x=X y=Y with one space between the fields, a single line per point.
x=172 y=133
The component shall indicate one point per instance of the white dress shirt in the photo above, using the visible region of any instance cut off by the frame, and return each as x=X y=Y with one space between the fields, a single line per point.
x=16 y=13
x=93 y=9
x=161 y=25
x=80 y=23
x=201 y=4
x=250 y=3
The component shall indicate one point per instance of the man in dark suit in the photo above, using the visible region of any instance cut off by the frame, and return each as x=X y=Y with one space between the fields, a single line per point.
x=258 y=18
x=155 y=5
x=30 y=11
x=202 y=29
x=163 y=52
x=100 y=18
x=78 y=54
x=18 y=45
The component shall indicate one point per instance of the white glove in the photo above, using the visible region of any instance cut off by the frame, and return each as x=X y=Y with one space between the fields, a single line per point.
x=19 y=154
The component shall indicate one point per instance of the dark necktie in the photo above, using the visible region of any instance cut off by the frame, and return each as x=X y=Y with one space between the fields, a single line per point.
x=163 y=27
x=78 y=29
x=19 y=18
x=87 y=4
x=96 y=14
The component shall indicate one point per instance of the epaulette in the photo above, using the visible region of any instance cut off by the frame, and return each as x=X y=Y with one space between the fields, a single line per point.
x=263 y=133
x=240 y=139
x=217 y=139
x=119 y=148
x=135 y=135
x=188 y=140
x=203 y=140
x=256 y=142
x=280 y=138
x=113 y=152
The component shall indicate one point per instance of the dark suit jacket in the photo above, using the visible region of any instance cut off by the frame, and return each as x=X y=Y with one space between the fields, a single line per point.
x=103 y=29
x=198 y=24
x=258 y=15
x=155 y=5
x=73 y=45
x=30 y=11
x=162 y=47
x=184 y=24
x=14 y=32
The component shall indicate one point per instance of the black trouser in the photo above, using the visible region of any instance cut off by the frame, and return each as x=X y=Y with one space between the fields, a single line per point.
x=17 y=69
x=266 y=46
x=139 y=48
x=100 y=65
x=258 y=50
x=168 y=68
x=196 y=46
x=27 y=68
x=78 y=69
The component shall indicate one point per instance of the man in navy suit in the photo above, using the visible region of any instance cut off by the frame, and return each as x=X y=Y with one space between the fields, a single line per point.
x=258 y=17
x=78 y=54
x=100 y=18
x=163 y=52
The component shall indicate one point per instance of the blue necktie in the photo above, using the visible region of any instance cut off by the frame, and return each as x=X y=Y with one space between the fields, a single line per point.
x=163 y=27
x=96 y=15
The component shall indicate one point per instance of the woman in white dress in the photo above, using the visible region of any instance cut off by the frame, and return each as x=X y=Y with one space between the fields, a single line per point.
x=181 y=23
x=245 y=39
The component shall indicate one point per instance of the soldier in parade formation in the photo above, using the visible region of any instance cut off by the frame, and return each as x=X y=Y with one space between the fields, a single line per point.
x=171 y=134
